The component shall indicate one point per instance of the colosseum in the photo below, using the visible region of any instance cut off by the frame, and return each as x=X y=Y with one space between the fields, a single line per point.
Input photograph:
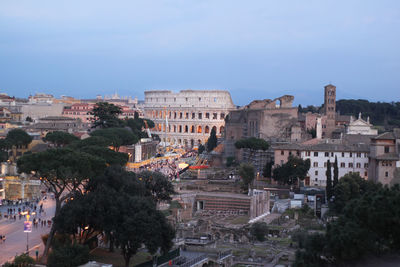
x=186 y=118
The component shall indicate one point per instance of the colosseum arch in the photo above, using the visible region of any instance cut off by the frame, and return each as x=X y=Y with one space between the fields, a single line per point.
x=199 y=129
x=174 y=128
x=191 y=142
x=186 y=129
x=180 y=128
x=207 y=129
x=192 y=129
x=214 y=128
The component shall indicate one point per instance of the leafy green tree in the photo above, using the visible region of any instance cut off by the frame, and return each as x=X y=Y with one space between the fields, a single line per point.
x=18 y=138
x=28 y=119
x=69 y=255
x=335 y=173
x=117 y=136
x=63 y=172
x=212 y=140
x=246 y=171
x=111 y=157
x=91 y=141
x=106 y=115
x=60 y=139
x=289 y=173
x=153 y=231
x=310 y=252
x=252 y=143
x=267 y=170
x=350 y=186
x=157 y=185
x=329 y=189
x=259 y=230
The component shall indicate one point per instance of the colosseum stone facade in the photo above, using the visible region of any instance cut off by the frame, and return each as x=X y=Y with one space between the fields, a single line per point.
x=186 y=118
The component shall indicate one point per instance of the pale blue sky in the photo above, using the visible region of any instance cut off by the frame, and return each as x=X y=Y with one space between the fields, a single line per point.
x=255 y=49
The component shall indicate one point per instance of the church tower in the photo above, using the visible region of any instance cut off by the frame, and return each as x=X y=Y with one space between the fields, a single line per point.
x=330 y=110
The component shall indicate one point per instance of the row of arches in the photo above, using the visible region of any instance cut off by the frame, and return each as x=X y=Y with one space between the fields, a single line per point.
x=184 y=142
x=199 y=129
x=180 y=115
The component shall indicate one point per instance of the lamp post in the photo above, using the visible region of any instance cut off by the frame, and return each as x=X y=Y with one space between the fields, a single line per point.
x=27 y=230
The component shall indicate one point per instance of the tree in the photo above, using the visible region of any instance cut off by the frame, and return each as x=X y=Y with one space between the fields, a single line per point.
x=335 y=173
x=28 y=119
x=68 y=255
x=329 y=189
x=258 y=230
x=106 y=115
x=212 y=140
x=267 y=170
x=252 y=143
x=246 y=171
x=201 y=149
x=18 y=138
x=142 y=225
x=60 y=139
x=117 y=136
x=63 y=172
x=157 y=185
x=289 y=173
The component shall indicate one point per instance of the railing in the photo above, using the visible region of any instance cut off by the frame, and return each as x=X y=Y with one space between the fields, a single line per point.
x=194 y=261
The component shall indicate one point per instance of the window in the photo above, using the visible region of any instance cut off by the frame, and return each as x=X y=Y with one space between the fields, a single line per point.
x=200 y=116
x=350 y=165
x=215 y=99
x=187 y=115
x=186 y=99
x=193 y=115
x=365 y=174
x=326 y=154
x=358 y=165
x=365 y=165
x=282 y=152
x=315 y=154
x=316 y=179
x=222 y=116
x=207 y=115
x=386 y=149
x=174 y=99
x=351 y=155
x=215 y=116
x=386 y=174
x=180 y=115
x=342 y=154
x=316 y=173
x=199 y=98
x=315 y=164
x=358 y=155
x=308 y=153
x=290 y=153
x=342 y=165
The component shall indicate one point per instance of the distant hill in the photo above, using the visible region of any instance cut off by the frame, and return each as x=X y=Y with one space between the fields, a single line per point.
x=382 y=114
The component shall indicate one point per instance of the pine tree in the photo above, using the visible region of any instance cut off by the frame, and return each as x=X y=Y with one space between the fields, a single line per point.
x=335 y=173
x=212 y=141
x=329 y=189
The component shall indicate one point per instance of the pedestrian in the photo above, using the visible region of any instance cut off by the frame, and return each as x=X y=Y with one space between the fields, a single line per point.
x=1 y=239
x=4 y=238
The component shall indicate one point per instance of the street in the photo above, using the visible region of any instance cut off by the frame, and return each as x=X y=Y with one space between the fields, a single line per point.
x=16 y=239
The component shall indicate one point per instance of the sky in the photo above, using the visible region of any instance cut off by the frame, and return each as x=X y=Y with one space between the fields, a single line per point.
x=256 y=49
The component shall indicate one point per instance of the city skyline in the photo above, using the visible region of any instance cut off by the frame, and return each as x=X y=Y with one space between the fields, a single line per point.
x=257 y=51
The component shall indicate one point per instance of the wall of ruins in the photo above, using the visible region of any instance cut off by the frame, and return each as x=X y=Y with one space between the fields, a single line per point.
x=187 y=117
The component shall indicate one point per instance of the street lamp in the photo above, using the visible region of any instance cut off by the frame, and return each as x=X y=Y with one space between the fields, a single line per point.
x=27 y=230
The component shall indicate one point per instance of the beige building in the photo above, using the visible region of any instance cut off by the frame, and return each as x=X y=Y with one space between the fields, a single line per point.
x=384 y=157
x=186 y=118
x=360 y=126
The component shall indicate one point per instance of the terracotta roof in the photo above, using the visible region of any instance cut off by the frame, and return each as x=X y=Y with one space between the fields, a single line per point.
x=387 y=135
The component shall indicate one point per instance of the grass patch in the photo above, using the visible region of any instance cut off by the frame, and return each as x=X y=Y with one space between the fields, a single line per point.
x=116 y=259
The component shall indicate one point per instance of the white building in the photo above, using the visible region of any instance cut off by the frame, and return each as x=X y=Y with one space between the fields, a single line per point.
x=352 y=158
x=360 y=126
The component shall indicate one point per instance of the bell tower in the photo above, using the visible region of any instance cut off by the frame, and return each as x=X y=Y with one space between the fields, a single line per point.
x=330 y=110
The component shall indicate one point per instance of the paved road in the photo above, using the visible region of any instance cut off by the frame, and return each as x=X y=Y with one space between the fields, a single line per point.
x=16 y=239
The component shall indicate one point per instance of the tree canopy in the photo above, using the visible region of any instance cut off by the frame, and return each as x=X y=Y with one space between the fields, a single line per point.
x=246 y=171
x=106 y=115
x=117 y=136
x=59 y=138
x=212 y=140
x=18 y=137
x=295 y=168
x=252 y=143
